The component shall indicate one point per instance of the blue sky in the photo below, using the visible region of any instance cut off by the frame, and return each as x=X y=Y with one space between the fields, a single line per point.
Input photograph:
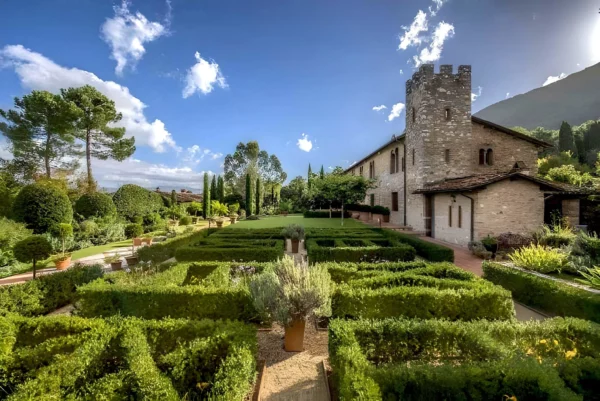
x=300 y=77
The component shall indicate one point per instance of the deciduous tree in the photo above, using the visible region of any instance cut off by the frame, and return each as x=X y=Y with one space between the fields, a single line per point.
x=342 y=189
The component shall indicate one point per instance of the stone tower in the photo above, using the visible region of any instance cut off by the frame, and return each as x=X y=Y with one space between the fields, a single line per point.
x=438 y=132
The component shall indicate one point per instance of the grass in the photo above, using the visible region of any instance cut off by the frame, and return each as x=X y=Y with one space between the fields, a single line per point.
x=282 y=221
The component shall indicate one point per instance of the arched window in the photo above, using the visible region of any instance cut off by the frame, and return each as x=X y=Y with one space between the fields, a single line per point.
x=397 y=161
x=414 y=115
x=392 y=162
x=447 y=113
x=413 y=157
x=481 y=157
x=489 y=157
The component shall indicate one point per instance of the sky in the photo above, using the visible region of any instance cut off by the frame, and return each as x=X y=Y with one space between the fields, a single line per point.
x=320 y=82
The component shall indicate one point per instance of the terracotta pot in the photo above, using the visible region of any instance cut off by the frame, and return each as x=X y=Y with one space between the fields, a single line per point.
x=147 y=241
x=294 y=336
x=232 y=220
x=63 y=264
x=131 y=260
x=137 y=242
x=194 y=220
x=219 y=224
x=295 y=245
x=116 y=266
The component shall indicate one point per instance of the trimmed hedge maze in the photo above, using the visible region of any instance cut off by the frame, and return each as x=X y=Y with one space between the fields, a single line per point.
x=557 y=359
x=213 y=290
x=416 y=290
x=57 y=358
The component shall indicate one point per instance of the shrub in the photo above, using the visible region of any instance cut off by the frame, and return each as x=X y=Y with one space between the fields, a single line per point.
x=558 y=235
x=244 y=252
x=592 y=277
x=293 y=231
x=428 y=250
x=509 y=241
x=539 y=258
x=133 y=230
x=320 y=214
x=253 y=217
x=32 y=249
x=165 y=250
x=547 y=295
x=322 y=251
x=194 y=208
x=377 y=209
x=41 y=207
x=75 y=358
x=11 y=232
x=96 y=204
x=134 y=201
x=185 y=221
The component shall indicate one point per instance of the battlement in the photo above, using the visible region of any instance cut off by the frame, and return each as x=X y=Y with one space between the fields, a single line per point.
x=426 y=73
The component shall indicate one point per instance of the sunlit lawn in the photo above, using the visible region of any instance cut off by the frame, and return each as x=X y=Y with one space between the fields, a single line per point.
x=282 y=221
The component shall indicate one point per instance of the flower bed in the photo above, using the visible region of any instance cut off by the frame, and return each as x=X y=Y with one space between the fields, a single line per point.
x=93 y=359
x=187 y=290
x=547 y=295
x=433 y=359
x=418 y=290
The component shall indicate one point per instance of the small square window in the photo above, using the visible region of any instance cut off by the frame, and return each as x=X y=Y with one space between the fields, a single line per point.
x=447 y=113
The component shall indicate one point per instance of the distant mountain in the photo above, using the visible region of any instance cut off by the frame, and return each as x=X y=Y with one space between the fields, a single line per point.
x=575 y=99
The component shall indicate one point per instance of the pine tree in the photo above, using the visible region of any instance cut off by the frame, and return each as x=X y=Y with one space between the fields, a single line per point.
x=206 y=197
x=566 y=142
x=309 y=179
x=258 y=196
x=213 y=188
x=248 y=195
x=221 y=189
x=322 y=173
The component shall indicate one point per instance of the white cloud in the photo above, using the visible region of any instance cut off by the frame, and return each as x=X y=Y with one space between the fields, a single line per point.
x=304 y=143
x=41 y=73
x=5 y=153
x=401 y=72
x=437 y=5
x=202 y=77
x=551 y=79
x=434 y=51
x=379 y=108
x=507 y=95
x=330 y=168
x=216 y=156
x=126 y=34
x=396 y=111
x=411 y=35
x=474 y=96
x=195 y=154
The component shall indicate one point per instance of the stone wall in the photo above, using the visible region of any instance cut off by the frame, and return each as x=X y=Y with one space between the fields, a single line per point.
x=515 y=206
x=459 y=234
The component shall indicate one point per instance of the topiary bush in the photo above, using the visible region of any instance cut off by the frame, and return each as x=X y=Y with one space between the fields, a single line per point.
x=96 y=204
x=133 y=230
x=41 y=207
x=133 y=201
x=185 y=221
x=32 y=249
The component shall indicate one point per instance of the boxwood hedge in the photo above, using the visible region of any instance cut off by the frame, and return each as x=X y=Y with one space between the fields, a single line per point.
x=94 y=359
x=547 y=295
x=165 y=250
x=357 y=250
x=232 y=249
x=425 y=249
x=557 y=359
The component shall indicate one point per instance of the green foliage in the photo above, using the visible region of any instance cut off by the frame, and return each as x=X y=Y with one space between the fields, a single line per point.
x=95 y=204
x=94 y=359
x=341 y=189
x=558 y=235
x=194 y=208
x=463 y=360
x=185 y=221
x=293 y=231
x=566 y=141
x=592 y=277
x=428 y=250
x=133 y=201
x=32 y=249
x=568 y=174
x=206 y=212
x=165 y=250
x=319 y=214
x=249 y=196
x=234 y=208
x=47 y=293
x=219 y=208
x=41 y=207
x=231 y=250
x=540 y=258
x=220 y=189
x=133 y=230
x=322 y=251
x=258 y=197
x=547 y=295
x=286 y=291
x=213 y=188
x=545 y=164
x=377 y=209
x=11 y=232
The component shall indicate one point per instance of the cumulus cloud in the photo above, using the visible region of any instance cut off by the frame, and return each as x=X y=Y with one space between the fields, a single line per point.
x=126 y=34
x=195 y=155
x=38 y=72
x=401 y=72
x=437 y=5
x=474 y=96
x=202 y=77
x=304 y=143
x=412 y=34
x=551 y=79
x=507 y=95
x=396 y=111
x=379 y=108
x=433 y=52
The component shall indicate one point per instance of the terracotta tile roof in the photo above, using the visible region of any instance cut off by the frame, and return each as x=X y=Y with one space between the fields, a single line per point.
x=183 y=197
x=481 y=180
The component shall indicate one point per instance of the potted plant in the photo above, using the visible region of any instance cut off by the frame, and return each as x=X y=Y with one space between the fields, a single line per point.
x=115 y=262
x=219 y=209
x=62 y=231
x=295 y=233
x=490 y=244
x=219 y=221
x=132 y=259
x=289 y=294
x=233 y=209
x=285 y=207
x=193 y=209
x=147 y=240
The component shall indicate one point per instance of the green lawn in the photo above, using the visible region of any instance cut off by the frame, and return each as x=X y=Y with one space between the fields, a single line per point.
x=282 y=221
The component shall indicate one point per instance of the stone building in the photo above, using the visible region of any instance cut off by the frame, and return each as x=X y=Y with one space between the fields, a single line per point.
x=454 y=176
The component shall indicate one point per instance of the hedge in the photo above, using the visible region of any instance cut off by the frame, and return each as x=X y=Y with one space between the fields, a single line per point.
x=75 y=358
x=556 y=359
x=547 y=295
x=425 y=249
x=231 y=249
x=320 y=214
x=330 y=250
x=259 y=233
x=134 y=201
x=330 y=233
x=96 y=204
x=165 y=250
x=41 y=207
x=187 y=290
x=46 y=293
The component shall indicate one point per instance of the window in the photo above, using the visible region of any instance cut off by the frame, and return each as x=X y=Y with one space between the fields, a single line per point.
x=460 y=217
x=414 y=115
x=360 y=170
x=450 y=216
x=447 y=113
x=481 y=157
x=486 y=157
x=403 y=164
x=394 y=201
x=392 y=162
x=447 y=155
x=413 y=157
x=397 y=157
x=372 y=169
x=372 y=199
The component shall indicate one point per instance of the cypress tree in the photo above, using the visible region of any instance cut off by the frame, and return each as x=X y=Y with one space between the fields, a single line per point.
x=221 y=189
x=248 y=195
x=322 y=173
x=173 y=198
x=206 y=197
x=258 y=195
x=566 y=142
x=309 y=179
x=213 y=188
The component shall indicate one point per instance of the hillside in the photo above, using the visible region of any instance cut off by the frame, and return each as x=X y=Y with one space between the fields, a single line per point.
x=575 y=99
